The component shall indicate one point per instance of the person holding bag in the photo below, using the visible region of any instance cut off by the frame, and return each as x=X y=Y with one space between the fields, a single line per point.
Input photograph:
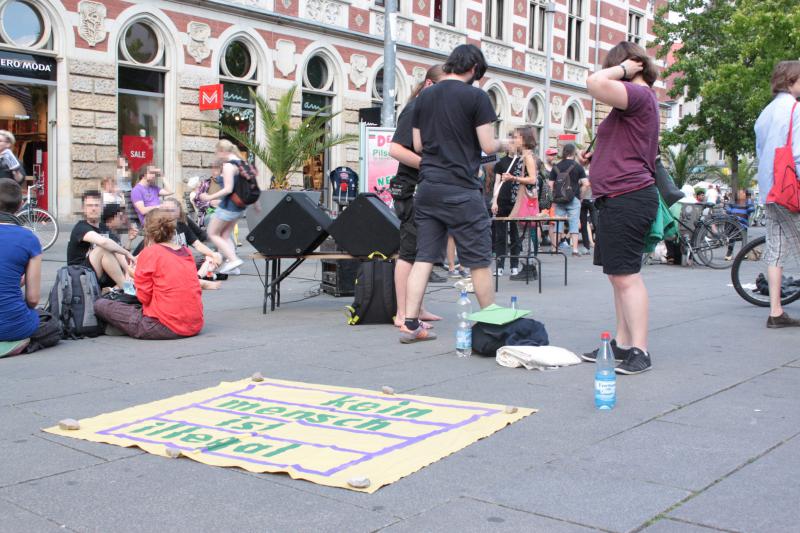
x=778 y=151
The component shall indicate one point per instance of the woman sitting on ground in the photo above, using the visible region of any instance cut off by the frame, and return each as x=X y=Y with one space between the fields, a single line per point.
x=166 y=285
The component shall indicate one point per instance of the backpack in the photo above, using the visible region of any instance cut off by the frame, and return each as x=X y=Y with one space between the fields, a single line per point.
x=245 y=189
x=563 y=193
x=48 y=334
x=375 y=300
x=488 y=338
x=72 y=301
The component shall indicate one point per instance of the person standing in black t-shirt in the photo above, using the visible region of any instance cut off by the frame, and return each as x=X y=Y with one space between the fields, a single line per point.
x=452 y=122
x=403 y=186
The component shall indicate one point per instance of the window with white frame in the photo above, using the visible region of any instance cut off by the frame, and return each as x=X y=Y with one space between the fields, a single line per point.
x=382 y=3
x=319 y=93
x=573 y=119
x=497 y=105
x=377 y=89
x=536 y=25
x=494 y=14
x=23 y=25
x=444 y=12
x=534 y=114
x=636 y=25
x=575 y=43
x=237 y=72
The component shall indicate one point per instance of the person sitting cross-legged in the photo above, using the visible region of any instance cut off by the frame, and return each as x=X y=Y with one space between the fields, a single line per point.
x=88 y=247
x=166 y=285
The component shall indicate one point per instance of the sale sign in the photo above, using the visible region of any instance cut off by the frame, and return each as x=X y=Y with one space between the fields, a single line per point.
x=379 y=166
x=137 y=150
x=210 y=97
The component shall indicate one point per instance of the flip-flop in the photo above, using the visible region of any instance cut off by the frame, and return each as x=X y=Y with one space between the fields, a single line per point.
x=425 y=325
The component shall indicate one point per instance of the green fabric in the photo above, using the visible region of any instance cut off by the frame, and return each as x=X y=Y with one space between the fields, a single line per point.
x=494 y=314
x=12 y=347
x=665 y=226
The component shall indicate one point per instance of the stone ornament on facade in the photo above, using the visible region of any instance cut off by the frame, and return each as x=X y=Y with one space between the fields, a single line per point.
x=536 y=64
x=557 y=109
x=199 y=33
x=445 y=40
x=517 y=101
x=401 y=27
x=358 y=70
x=284 y=56
x=418 y=73
x=93 y=16
x=497 y=54
x=576 y=74
x=325 y=11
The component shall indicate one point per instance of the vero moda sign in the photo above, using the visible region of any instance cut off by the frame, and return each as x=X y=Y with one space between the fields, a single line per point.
x=210 y=97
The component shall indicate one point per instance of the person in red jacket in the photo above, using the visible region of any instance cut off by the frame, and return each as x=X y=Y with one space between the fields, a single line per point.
x=166 y=285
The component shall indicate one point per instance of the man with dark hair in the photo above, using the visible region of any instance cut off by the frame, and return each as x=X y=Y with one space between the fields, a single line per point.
x=570 y=205
x=452 y=122
x=88 y=247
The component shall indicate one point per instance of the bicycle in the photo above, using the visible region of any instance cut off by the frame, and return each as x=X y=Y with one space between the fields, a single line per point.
x=38 y=220
x=712 y=240
x=749 y=277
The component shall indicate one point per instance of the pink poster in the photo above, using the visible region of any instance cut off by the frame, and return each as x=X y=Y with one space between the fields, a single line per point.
x=380 y=168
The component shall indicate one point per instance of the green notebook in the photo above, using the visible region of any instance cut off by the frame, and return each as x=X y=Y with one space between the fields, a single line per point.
x=494 y=314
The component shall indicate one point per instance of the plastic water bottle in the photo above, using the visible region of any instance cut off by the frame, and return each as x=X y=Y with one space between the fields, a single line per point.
x=605 y=378
x=514 y=303
x=128 y=288
x=464 y=331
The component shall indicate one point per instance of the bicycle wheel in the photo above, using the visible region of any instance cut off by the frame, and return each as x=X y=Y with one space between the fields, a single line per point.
x=716 y=241
x=42 y=224
x=749 y=276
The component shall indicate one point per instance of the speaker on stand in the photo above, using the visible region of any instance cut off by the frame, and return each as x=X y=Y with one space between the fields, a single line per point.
x=367 y=225
x=295 y=226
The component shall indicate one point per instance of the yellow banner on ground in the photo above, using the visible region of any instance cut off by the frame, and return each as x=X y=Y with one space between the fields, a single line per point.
x=325 y=434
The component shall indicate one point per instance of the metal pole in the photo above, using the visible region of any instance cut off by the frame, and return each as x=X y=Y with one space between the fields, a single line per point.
x=550 y=11
x=389 y=61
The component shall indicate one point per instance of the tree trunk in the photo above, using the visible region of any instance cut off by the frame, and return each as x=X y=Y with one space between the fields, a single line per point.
x=734 y=176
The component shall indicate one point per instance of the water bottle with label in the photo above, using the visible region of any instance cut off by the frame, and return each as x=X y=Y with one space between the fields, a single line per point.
x=464 y=331
x=128 y=287
x=514 y=303
x=605 y=378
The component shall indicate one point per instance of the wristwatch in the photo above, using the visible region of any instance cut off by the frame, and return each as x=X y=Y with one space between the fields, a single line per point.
x=624 y=71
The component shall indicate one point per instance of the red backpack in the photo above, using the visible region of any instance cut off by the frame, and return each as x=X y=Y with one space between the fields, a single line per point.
x=785 y=188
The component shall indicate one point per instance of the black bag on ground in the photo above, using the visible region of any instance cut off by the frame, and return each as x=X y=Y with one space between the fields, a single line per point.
x=72 y=302
x=47 y=334
x=375 y=300
x=488 y=338
x=245 y=189
x=563 y=192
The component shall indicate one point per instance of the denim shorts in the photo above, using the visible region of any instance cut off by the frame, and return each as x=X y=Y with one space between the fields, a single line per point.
x=572 y=211
x=226 y=215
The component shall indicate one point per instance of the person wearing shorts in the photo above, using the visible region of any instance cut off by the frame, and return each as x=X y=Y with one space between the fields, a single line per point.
x=623 y=170
x=783 y=226
x=572 y=208
x=452 y=122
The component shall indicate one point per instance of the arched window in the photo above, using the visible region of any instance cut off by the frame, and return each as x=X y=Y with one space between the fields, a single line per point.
x=318 y=94
x=573 y=119
x=23 y=25
x=377 y=89
x=141 y=75
x=238 y=69
x=534 y=115
x=497 y=105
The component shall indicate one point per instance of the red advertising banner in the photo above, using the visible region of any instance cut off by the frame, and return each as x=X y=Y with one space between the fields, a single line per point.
x=567 y=137
x=137 y=150
x=210 y=97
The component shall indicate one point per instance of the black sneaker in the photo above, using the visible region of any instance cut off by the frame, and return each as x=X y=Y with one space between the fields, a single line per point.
x=619 y=353
x=636 y=363
x=526 y=273
x=436 y=278
x=783 y=321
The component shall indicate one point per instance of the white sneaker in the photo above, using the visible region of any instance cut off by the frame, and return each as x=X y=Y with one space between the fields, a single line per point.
x=235 y=272
x=514 y=271
x=498 y=272
x=230 y=265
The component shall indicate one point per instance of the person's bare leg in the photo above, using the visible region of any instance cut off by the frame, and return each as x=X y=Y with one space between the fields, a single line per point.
x=402 y=269
x=208 y=285
x=484 y=286
x=105 y=261
x=623 y=335
x=415 y=290
x=574 y=237
x=451 y=253
x=634 y=303
x=775 y=278
x=215 y=232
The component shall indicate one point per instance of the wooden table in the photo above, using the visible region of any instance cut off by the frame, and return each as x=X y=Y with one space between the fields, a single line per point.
x=274 y=275
x=531 y=224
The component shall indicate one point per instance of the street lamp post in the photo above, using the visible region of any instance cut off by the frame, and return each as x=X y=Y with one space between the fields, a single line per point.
x=389 y=55
x=550 y=11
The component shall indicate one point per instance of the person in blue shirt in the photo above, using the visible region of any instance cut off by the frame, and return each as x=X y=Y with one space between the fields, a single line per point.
x=20 y=272
x=742 y=210
x=783 y=226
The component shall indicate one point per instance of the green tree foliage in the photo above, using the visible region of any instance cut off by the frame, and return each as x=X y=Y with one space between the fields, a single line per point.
x=729 y=48
x=680 y=162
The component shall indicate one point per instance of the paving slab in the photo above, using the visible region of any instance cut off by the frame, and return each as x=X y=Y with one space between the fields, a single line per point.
x=16 y=519
x=466 y=514
x=29 y=457
x=149 y=493
x=761 y=497
x=668 y=525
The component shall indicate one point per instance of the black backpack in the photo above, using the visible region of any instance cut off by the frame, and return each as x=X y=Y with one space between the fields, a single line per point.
x=375 y=300
x=72 y=302
x=488 y=338
x=563 y=192
x=245 y=189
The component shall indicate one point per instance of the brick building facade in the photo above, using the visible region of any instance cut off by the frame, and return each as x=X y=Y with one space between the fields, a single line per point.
x=92 y=76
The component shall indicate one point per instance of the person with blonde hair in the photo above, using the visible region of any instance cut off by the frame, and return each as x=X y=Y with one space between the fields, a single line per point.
x=166 y=285
x=227 y=213
x=10 y=166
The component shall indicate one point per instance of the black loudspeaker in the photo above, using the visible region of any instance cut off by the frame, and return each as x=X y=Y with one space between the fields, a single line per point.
x=368 y=225
x=295 y=226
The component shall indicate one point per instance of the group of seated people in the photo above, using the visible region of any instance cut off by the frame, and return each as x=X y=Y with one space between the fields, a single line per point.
x=164 y=272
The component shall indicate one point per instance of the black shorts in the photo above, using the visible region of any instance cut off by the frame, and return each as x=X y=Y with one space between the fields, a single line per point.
x=104 y=281
x=447 y=209
x=622 y=225
x=408 y=229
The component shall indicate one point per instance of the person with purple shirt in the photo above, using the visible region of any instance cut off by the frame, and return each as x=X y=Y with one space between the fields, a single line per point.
x=146 y=196
x=623 y=183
